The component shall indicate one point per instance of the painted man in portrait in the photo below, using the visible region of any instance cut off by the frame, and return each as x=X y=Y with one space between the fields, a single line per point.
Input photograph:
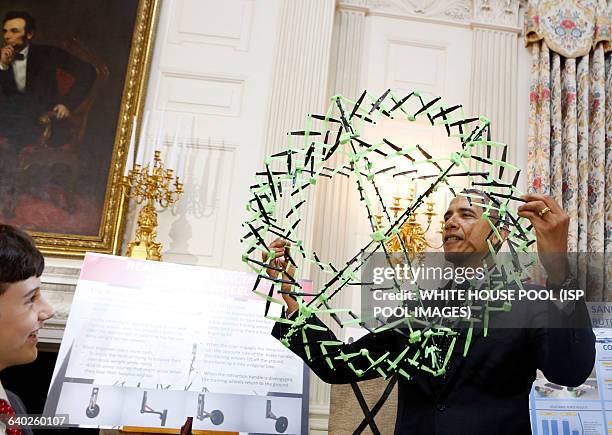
x=34 y=80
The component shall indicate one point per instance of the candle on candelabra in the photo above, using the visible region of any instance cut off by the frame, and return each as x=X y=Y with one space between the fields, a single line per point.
x=182 y=156
x=159 y=138
x=445 y=202
x=142 y=140
x=173 y=151
x=129 y=162
x=180 y=171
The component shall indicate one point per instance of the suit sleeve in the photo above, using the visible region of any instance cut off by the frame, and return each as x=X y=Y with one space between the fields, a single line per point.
x=6 y=80
x=361 y=360
x=16 y=403
x=564 y=343
x=83 y=74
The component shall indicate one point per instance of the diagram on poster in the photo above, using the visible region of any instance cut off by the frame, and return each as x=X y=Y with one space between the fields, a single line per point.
x=149 y=344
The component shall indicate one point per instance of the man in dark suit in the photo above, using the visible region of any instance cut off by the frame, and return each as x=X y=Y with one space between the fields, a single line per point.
x=23 y=310
x=31 y=78
x=34 y=80
x=486 y=391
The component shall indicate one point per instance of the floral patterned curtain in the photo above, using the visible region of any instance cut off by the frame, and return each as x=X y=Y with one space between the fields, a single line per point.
x=570 y=123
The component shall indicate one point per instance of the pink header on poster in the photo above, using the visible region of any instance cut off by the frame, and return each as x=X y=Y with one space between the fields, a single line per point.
x=128 y=272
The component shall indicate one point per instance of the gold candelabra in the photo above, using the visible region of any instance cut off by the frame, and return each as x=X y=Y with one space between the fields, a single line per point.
x=152 y=185
x=411 y=235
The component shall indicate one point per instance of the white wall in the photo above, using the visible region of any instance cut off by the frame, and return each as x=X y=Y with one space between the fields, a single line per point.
x=211 y=74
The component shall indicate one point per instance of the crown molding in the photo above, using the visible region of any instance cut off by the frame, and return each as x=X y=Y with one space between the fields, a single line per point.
x=500 y=15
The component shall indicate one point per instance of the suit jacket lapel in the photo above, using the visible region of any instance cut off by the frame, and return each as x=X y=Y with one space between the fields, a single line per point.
x=441 y=388
x=32 y=68
x=458 y=360
x=421 y=378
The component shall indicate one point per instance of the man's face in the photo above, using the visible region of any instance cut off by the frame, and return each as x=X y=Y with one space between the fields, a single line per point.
x=15 y=34
x=22 y=312
x=465 y=232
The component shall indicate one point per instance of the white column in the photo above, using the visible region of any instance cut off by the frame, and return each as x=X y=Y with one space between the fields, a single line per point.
x=300 y=84
x=332 y=198
x=494 y=77
x=301 y=68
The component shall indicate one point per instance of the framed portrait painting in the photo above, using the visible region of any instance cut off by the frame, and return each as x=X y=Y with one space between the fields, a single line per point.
x=72 y=80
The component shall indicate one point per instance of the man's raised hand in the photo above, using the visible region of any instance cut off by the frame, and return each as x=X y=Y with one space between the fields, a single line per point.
x=551 y=225
x=6 y=55
x=281 y=249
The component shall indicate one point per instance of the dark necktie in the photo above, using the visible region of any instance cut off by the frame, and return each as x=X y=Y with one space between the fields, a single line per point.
x=18 y=56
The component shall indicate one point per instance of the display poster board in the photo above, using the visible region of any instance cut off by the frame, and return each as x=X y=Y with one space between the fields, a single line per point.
x=149 y=344
x=583 y=410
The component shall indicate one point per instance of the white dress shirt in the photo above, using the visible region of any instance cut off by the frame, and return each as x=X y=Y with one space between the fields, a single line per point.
x=19 y=73
x=19 y=69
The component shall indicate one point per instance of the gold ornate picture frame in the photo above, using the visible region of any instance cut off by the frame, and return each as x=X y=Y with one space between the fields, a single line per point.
x=60 y=180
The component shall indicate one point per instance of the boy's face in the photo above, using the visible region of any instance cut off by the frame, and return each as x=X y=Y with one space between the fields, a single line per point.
x=23 y=311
